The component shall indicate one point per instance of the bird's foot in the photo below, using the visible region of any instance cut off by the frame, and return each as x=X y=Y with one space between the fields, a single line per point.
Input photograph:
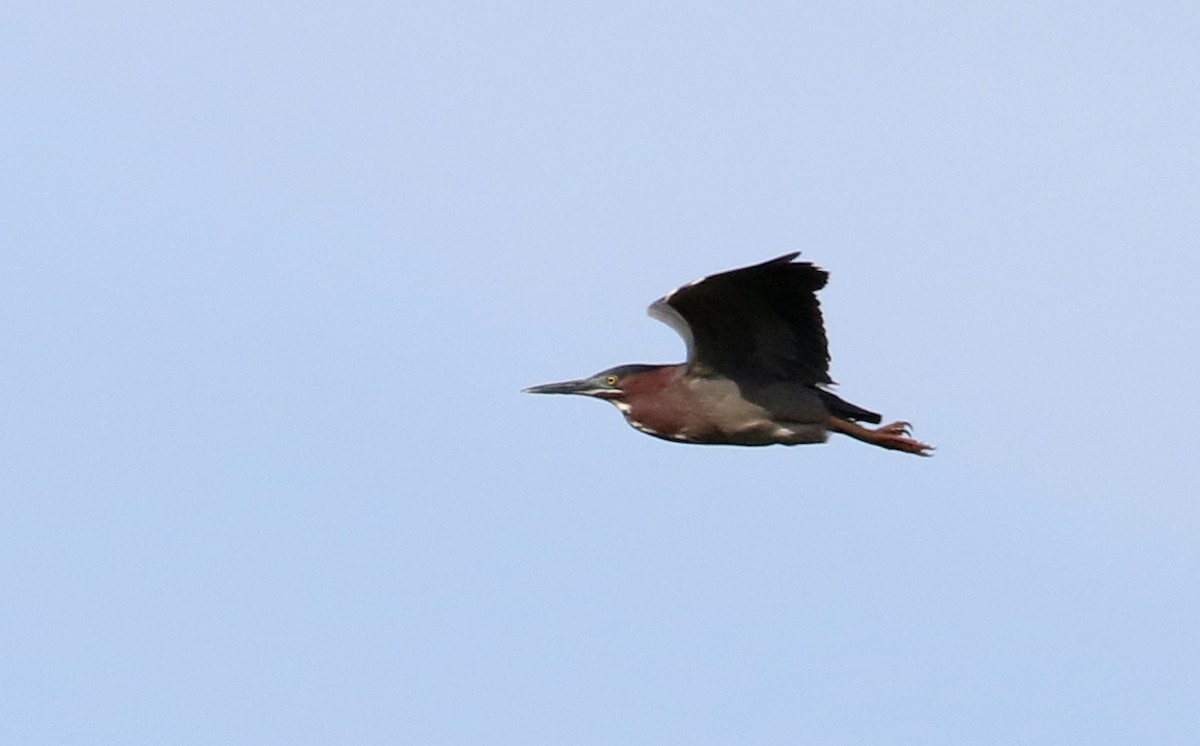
x=895 y=437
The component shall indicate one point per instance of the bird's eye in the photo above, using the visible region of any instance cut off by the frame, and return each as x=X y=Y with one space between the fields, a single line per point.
x=610 y=380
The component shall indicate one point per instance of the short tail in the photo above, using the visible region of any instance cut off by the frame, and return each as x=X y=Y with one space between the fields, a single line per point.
x=841 y=408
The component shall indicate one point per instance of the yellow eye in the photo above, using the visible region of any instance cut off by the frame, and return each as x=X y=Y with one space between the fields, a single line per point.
x=611 y=380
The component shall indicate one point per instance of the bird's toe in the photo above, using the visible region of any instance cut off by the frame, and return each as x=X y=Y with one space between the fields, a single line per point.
x=896 y=428
x=907 y=445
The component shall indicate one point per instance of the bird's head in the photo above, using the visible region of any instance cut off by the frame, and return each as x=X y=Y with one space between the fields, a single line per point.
x=614 y=384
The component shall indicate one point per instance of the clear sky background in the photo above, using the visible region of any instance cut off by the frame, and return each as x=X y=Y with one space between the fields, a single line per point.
x=273 y=276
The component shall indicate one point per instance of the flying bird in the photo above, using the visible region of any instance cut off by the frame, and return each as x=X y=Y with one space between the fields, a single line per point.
x=757 y=370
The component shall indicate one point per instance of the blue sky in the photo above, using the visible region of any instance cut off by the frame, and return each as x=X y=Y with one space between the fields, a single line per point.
x=273 y=278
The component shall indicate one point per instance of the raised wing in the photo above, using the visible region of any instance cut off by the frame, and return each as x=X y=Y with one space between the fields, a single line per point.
x=755 y=323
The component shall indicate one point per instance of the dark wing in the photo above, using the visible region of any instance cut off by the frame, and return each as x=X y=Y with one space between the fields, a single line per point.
x=755 y=323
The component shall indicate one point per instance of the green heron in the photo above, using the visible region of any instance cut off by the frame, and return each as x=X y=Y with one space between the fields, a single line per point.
x=757 y=371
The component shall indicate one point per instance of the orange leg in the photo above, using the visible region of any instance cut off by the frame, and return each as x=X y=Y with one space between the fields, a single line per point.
x=893 y=436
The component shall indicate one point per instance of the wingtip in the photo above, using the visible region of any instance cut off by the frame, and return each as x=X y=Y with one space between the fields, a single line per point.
x=781 y=259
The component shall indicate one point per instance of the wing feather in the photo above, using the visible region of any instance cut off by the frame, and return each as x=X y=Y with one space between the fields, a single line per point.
x=761 y=322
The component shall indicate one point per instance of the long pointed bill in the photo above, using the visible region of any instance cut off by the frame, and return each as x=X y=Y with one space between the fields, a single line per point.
x=564 y=387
